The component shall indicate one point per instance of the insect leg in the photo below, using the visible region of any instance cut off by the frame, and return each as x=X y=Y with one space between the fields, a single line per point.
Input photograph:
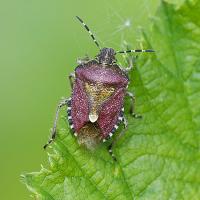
x=84 y=60
x=71 y=77
x=131 y=60
x=110 y=147
x=53 y=130
x=132 y=107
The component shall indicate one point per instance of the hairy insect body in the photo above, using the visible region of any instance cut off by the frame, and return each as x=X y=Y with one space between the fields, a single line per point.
x=96 y=106
x=97 y=101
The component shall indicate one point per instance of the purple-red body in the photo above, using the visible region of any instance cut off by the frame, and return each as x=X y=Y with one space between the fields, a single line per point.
x=98 y=89
x=96 y=106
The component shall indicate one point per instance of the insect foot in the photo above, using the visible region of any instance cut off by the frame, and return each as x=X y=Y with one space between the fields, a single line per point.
x=111 y=152
x=53 y=131
x=137 y=116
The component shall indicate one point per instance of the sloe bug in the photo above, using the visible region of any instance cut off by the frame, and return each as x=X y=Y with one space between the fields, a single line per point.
x=95 y=108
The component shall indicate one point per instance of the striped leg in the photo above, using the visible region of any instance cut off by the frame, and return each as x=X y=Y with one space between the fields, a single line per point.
x=71 y=77
x=110 y=147
x=132 y=107
x=63 y=102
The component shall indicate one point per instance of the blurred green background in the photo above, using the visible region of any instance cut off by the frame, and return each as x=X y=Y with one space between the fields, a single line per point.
x=39 y=44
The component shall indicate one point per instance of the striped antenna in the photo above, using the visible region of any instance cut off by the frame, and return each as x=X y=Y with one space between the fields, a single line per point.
x=91 y=34
x=135 y=51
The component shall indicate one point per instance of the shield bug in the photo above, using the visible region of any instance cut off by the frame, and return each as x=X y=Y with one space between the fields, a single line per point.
x=99 y=86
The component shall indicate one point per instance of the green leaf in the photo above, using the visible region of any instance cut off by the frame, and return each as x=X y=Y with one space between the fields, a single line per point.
x=158 y=157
